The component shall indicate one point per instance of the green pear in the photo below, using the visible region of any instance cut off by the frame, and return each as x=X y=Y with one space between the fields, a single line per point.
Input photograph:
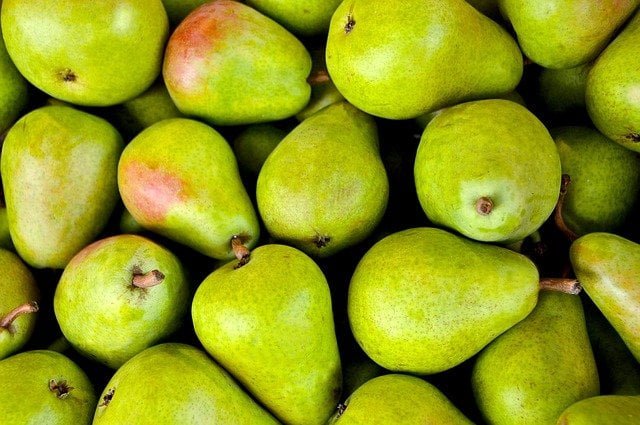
x=205 y=392
x=44 y=387
x=612 y=94
x=128 y=224
x=340 y=191
x=119 y=296
x=608 y=266
x=18 y=303
x=14 y=90
x=228 y=64
x=357 y=371
x=179 y=178
x=268 y=321
x=87 y=53
x=424 y=300
x=603 y=410
x=565 y=33
x=488 y=169
x=618 y=370
x=5 y=235
x=398 y=399
x=426 y=55
x=538 y=368
x=177 y=10
x=563 y=90
x=59 y=170
x=323 y=91
x=302 y=17
x=605 y=180
x=254 y=144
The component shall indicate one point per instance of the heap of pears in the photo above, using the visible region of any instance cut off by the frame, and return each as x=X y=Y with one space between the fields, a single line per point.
x=320 y=212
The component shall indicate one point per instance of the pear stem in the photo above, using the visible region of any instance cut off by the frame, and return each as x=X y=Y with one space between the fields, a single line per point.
x=241 y=252
x=147 y=280
x=557 y=215
x=484 y=205
x=30 y=307
x=319 y=77
x=568 y=286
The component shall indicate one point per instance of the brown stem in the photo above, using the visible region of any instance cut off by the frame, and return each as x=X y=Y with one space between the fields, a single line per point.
x=557 y=215
x=484 y=205
x=241 y=252
x=568 y=286
x=30 y=307
x=319 y=77
x=147 y=280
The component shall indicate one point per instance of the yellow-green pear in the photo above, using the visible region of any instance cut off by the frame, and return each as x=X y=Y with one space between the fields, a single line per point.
x=603 y=410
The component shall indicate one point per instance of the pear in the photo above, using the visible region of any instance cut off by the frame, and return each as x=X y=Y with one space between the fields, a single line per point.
x=179 y=178
x=565 y=33
x=229 y=64
x=128 y=224
x=87 y=53
x=612 y=95
x=254 y=144
x=5 y=235
x=323 y=91
x=207 y=394
x=177 y=10
x=357 y=371
x=488 y=169
x=59 y=172
x=398 y=399
x=608 y=267
x=302 y=17
x=538 y=368
x=562 y=91
x=44 y=387
x=605 y=180
x=14 y=91
x=603 y=410
x=340 y=191
x=268 y=320
x=426 y=55
x=18 y=303
x=424 y=300
x=119 y=296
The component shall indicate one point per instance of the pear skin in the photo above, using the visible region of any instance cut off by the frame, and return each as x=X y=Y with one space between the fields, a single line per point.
x=304 y=17
x=14 y=91
x=603 y=410
x=538 y=368
x=562 y=91
x=608 y=267
x=59 y=170
x=268 y=321
x=179 y=178
x=254 y=144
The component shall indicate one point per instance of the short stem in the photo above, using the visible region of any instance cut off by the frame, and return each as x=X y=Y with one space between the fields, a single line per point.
x=484 y=205
x=557 y=216
x=319 y=77
x=30 y=307
x=147 y=280
x=241 y=252
x=568 y=286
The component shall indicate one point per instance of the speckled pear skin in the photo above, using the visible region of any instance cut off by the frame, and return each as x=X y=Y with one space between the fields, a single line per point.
x=302 y=17
x=270 y=324
x=612 y=95
x=538 y=368
x=398 y=399
x=179 y=178
x=412 y=68
x=565 y=33
x=229 y=64
x=603 y=410
x=185 y=387
x=493 y=149
x=608 y=267
x=59 y=174
x=103 y=315
x=87 y=53
x=605 y=179
x=424 y=300
x=563 y=90
x=17 y=287
x=254 y=144
x=340 y=191
x=27 y=398
x=14 y=91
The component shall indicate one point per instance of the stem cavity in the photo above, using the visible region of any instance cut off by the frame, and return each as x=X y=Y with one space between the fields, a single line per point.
x=484 y=205
x=60 y=388
x=7 y=321
x=568 y=286
x=241 y=252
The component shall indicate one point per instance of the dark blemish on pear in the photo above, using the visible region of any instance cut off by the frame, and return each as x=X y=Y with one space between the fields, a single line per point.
x=634 y=137
x=348 y=27
x=106 y=399
x=67 y=75
x=61 y=388
x=484 y=206
x=321 y=240
x=341 y=409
